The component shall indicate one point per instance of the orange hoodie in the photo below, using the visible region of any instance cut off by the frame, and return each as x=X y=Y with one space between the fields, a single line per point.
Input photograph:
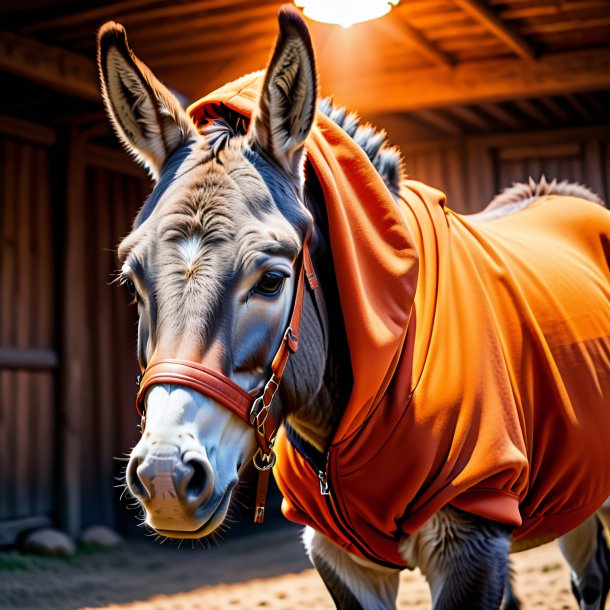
x=480 y=354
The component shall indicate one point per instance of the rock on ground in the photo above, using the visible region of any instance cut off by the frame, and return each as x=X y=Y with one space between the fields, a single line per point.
x=49 y=542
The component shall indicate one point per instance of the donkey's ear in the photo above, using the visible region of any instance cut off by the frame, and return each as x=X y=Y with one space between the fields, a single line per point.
x=287 y=105
x=147 y=118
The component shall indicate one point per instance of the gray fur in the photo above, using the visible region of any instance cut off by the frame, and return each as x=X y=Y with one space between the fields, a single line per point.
x=521 y=193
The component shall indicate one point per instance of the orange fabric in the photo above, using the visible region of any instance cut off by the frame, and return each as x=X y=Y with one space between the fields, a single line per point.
x=481 y=377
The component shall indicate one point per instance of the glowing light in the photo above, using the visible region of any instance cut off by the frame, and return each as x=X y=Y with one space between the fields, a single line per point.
x=345 y=12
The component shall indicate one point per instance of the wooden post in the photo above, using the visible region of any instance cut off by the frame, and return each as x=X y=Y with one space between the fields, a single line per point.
x=75 y=338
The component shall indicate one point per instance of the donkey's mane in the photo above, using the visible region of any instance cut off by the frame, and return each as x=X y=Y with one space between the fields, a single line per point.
x=386 y=159
x=523 y=193
x=219 y=124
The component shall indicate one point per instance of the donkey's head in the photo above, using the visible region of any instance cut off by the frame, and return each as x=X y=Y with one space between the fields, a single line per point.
x=211 y=264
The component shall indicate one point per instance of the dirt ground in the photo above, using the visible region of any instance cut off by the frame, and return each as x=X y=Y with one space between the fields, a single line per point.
x=266 y=570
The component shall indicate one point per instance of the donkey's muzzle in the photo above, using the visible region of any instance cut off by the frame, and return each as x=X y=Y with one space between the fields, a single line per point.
x=171 y=487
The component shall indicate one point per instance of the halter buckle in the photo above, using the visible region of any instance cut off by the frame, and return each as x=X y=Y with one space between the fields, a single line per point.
x=267 y=460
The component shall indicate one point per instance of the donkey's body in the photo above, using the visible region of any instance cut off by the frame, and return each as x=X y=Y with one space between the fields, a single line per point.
x=424 y=434
x=468 y=371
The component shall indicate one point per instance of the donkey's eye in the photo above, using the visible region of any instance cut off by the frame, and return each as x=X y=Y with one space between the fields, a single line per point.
x=270 y=284
x=131 y=287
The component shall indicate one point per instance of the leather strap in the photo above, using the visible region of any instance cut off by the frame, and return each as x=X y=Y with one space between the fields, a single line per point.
x=199 y=378
x=254 y=410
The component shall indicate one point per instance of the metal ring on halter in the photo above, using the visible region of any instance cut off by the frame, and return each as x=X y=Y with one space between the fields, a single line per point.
x=269 y=458
x=256 y=408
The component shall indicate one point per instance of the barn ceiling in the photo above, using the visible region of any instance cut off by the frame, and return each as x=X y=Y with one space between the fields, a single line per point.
x=447 y=67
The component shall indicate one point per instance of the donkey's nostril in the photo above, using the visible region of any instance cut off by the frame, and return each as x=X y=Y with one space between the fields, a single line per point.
x=199 y=481
x=133 y=480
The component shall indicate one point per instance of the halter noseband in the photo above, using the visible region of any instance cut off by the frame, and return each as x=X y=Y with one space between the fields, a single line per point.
x=253 y=408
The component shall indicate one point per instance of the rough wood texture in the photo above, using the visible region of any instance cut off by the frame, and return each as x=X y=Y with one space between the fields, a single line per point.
x=48 y=65
x=75 y=340
x=27 y=354
x=480 y=82
x=487 y=17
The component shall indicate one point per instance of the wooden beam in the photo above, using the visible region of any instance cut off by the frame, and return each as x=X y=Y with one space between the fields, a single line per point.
x=529 y=108
x=97 y=13
x=502 y=116
x=555 y=109
x=438 y=121
x=471 y=117
x=494 y=24
x=27 y=358
x=48 y=65
x=580 y=108
x=24 y=130
x=476 y=82
x=76 y=349
x=113 y=160
x=415 y=39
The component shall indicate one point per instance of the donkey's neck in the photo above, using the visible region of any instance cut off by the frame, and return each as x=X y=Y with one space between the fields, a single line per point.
x=319 y=374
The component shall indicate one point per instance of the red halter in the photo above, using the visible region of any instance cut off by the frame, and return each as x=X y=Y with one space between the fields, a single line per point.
x=253 y=409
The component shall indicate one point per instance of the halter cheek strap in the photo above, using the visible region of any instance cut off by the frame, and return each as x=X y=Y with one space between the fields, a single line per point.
x=254 y=409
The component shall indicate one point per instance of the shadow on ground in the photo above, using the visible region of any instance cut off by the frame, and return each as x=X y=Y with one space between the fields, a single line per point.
x=141 y=569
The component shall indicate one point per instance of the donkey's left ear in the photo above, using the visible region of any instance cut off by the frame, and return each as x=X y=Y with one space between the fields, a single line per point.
x=146 y=116
x=287 y=106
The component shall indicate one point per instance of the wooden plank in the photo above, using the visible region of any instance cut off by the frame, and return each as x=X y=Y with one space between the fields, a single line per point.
x=482 y=174
x=503 y=116
x=530 y=109
x=75 y=342
x=471 y=117
x=137 y=10
x=51 y=66
x=548 y=136
x=46 y=338
x=416 y=40
x=113 y=160
x=94 y=14
x=124 y=363
x=24 y=130
x=24 y=306
x=489 y=81
x=7 y=308
x=106 y=196
x=582 y=110
x=555 y=108
x=594 y=167
x=566 y=25
x=438 y=121
x=28 y=359
x=567 y=149
x=457 y=188
x=488 y=18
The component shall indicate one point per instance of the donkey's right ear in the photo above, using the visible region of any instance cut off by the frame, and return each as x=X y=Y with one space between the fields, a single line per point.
x=146 y=116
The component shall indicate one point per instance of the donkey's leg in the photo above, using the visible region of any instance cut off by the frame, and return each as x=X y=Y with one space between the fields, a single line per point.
x=604 y=514
x=586 y=551
x=511 y=601
x=463 y=557
x=353 y=583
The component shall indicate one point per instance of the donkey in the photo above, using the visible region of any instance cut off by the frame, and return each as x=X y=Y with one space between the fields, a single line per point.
x=251 y=317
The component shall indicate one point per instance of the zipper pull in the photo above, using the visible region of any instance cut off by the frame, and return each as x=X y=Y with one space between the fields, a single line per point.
x=324 y=489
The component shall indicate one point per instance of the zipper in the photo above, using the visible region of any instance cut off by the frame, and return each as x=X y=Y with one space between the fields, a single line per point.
x=322 y=472
x=323 y=478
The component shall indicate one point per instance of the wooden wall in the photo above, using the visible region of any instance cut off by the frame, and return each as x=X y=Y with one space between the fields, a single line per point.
x=67 y=336
x=472 y=170
x=99 y=334
x=28 y=338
